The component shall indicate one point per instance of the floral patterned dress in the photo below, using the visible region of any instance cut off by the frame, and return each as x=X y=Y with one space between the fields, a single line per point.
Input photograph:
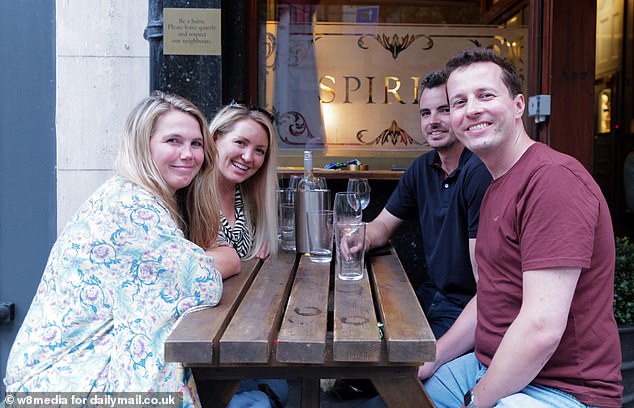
x=117 y=280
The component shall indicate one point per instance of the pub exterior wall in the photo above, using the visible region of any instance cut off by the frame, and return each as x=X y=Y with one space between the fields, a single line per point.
x=102 y=70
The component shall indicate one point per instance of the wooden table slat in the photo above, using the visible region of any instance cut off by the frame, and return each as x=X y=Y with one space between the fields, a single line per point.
x=192 y=339
x=407 y=331
x=302 y=337
x=356 y=333
x=250 y=335
x=235 y=340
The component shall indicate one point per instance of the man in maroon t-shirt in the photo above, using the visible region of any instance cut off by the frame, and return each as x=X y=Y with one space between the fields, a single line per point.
x=542 y=322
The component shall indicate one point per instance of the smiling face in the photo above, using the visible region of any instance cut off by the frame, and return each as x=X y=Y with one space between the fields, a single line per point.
x=241 y=151
x=484 y=116
x=176 y=147
x=434 y=118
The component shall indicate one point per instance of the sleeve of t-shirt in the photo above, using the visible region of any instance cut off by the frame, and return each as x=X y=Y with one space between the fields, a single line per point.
x=403 y=203
x=557 y=216
x=475 y=185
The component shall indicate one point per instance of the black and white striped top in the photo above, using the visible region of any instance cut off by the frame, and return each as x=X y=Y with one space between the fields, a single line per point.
x=239 y=237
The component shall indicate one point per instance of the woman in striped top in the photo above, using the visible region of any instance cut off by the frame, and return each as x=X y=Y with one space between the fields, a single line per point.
x=246 y=175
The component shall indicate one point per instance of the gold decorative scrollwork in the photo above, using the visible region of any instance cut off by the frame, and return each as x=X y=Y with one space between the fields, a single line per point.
x=296 y=52
x=294 y=124
x=271 y=49
x=395 y=44
x=394 y=134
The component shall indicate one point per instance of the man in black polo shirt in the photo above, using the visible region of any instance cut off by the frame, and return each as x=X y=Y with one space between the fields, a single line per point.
x=443 y=189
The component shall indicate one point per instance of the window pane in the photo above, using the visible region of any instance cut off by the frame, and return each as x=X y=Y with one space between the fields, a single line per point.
x=343 y=80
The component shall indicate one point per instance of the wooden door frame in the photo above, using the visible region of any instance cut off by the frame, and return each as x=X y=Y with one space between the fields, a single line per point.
x=561 y=64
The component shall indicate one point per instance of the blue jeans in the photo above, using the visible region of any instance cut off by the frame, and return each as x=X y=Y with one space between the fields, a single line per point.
x=439 y=310
x=447 y=387
x=441 y=313
x=249 y=395
x=449 y=384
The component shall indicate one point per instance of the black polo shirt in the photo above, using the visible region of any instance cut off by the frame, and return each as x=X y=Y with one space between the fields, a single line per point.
x=448 y=212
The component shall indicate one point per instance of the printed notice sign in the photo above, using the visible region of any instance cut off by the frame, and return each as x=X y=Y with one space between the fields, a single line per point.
x=191 y=31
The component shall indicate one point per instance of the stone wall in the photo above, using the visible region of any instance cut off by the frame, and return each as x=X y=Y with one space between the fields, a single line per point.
x=102 y=70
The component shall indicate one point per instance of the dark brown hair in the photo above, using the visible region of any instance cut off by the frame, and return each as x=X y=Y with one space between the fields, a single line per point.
x=472 y=55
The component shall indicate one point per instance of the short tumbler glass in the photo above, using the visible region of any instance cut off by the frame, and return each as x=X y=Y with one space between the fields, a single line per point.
x=320 y=235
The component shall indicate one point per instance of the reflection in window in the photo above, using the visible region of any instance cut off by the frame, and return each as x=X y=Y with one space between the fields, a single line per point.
x=344 y=79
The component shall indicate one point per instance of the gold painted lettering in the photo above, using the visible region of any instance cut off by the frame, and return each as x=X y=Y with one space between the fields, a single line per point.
x=393 y=91
x=416 y=84
x=370 y=89
x=326 y=88
x=354 y=84
x=358 y=83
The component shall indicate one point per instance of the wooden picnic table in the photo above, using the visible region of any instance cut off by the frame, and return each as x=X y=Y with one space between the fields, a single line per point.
x=287 y=317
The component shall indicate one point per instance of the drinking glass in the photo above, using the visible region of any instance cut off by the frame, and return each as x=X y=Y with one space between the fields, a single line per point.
x=320 y=235
x=361 y=187
x=350 y=244
x=286 y=217
x=293 y=181
x=347 y=208
x=320 y=183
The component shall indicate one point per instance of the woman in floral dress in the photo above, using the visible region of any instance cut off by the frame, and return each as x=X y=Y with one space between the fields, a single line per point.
x=135 y=257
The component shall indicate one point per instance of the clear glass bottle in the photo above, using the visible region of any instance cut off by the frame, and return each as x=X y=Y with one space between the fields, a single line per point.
x=306 y=184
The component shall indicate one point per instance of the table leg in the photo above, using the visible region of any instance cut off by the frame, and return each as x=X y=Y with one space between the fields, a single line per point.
x=402 y=392
x=216 y=393
x=310 y=393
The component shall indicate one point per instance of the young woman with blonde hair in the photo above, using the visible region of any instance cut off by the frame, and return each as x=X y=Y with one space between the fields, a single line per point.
x=247 y=180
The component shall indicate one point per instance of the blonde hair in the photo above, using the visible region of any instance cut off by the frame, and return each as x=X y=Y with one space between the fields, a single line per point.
x=195 y=208
x=258 y=191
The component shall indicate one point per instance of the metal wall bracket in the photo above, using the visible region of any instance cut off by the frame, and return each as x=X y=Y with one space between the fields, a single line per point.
x=539 y=107
x=7 y=312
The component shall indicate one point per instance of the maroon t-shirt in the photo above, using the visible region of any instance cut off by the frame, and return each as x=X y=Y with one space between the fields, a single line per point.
x=548 y=212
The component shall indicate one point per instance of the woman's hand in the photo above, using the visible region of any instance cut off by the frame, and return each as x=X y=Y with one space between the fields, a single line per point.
x=264 y=253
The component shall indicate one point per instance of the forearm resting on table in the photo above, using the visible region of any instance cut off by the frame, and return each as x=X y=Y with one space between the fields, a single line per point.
x=380 y=230
x=226 y=260
x=459 y=339
x=532 y=338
